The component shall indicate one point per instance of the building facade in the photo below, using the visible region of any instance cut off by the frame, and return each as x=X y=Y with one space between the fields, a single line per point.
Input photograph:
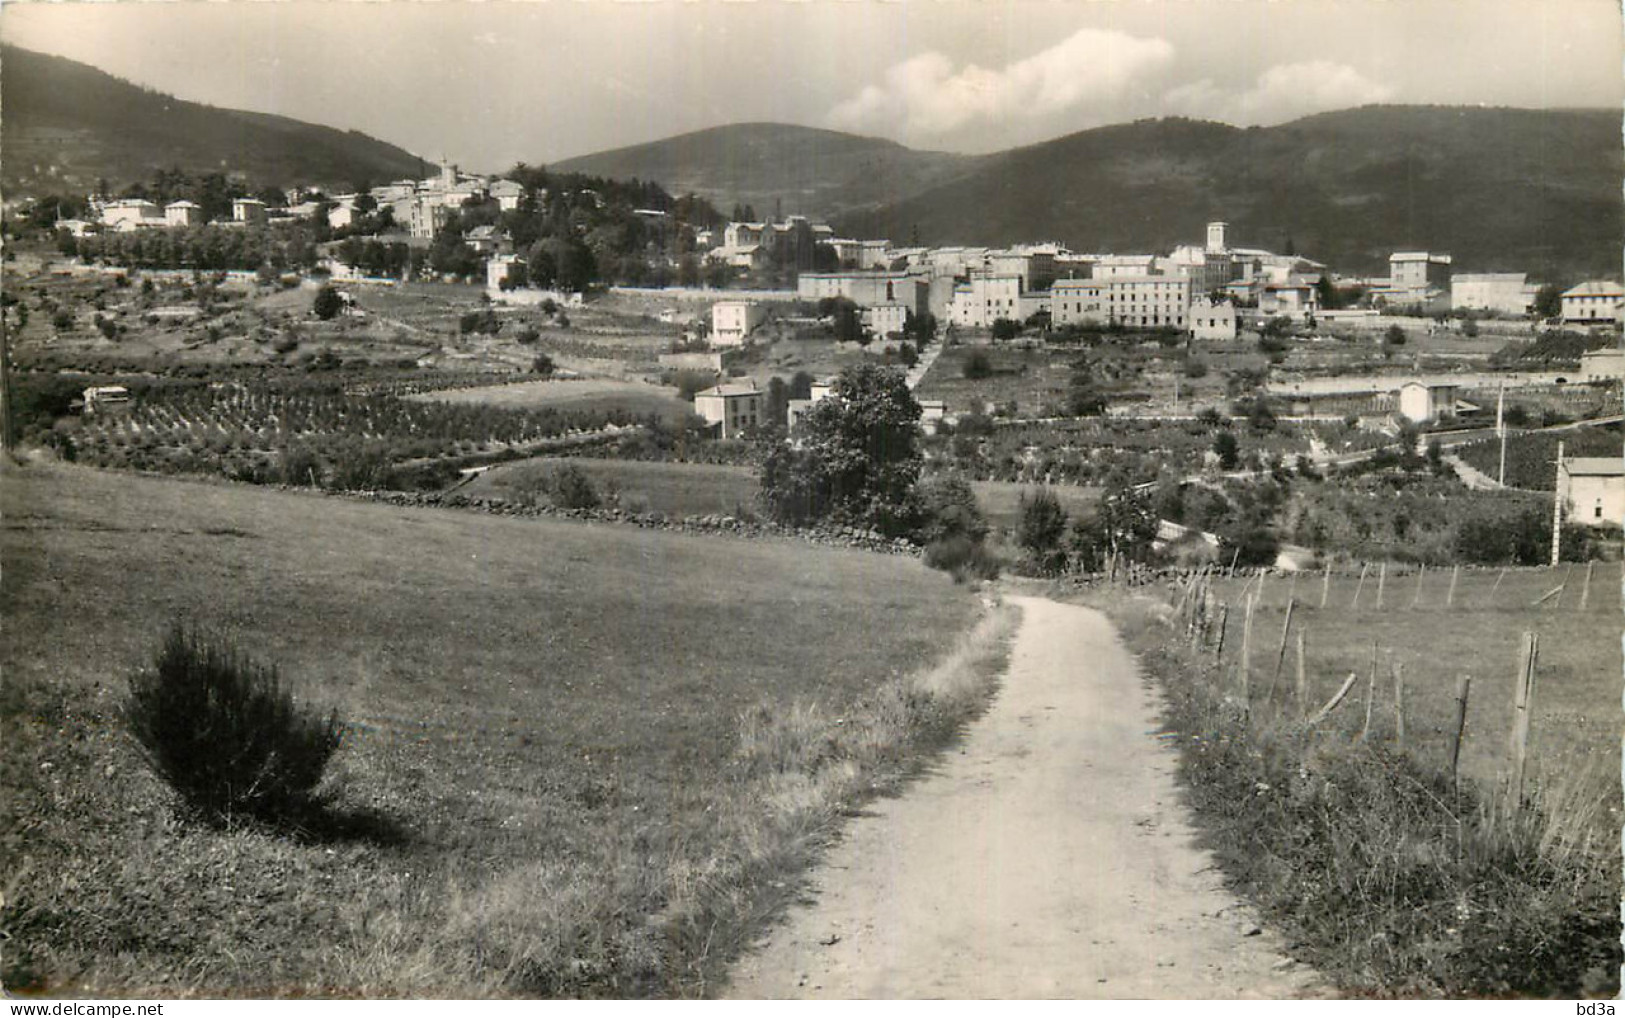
x=1595 y=300
x=732 y=321
x=732 y=409
x=1593 y=489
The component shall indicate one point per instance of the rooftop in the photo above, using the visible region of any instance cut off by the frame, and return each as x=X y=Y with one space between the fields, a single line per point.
x=1595 y=466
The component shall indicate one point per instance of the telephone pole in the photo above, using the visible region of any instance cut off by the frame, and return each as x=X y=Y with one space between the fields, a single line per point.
x=1501 y=430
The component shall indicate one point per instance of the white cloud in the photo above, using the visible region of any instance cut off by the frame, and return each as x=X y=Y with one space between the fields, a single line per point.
x=926 y=96
x=1284 y=92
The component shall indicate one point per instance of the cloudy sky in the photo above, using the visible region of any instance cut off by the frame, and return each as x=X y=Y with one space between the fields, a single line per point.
x=488 y=84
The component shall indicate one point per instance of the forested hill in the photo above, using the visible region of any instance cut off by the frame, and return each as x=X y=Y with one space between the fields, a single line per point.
x=64 y=126
x=1498 y=189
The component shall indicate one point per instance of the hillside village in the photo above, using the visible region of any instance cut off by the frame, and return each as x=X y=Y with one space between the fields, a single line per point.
x=639 y=543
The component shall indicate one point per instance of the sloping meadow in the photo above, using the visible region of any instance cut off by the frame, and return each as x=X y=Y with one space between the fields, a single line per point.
x=580 y=760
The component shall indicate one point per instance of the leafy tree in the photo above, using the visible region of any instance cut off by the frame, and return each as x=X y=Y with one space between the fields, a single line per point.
x=1326 y=293
x=1127 y=523
x=1227 y=449
x=1394 y=336
x=542 y=365
x=1549 y=301
x=949 y=510
x=977 y=366
x=1040 y=529
x=1083 y=396
x=327 y=304
x=858 y=458
x=848 y=322
x=1005 y=329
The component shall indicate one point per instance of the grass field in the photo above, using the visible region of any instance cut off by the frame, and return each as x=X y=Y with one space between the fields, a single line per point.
x=575 y=394
x=693 y=489
x=1575 y=715
x=543 y=775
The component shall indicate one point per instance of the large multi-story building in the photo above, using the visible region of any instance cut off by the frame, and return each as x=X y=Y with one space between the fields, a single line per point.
x=1418 y=277
x=1509 y=293
x=866 y=289
x=983 y=300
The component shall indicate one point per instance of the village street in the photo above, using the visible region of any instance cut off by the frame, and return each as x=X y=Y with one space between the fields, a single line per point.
x=1049 y=856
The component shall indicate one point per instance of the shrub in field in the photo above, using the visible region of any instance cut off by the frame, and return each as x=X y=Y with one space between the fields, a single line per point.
x=221 y=731
x=327 y=303
x=1041 y=528
x=571 y=488
x=977 y=366
x=963 y=558
x=948 y=509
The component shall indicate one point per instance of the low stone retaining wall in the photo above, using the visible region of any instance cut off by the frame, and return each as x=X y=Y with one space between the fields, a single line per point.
x=838 y=537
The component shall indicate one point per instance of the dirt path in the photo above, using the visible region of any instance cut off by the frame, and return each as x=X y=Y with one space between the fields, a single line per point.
x=1050 y=857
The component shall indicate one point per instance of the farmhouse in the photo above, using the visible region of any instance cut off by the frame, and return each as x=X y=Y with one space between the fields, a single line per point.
x=103 y=398
x=732 y=321
x=886 y=320
x=131 y=214
x=1593 y=489
x=1595 y=300
x=247 y=210
x=1421 y=403
x=731 y=408
x=183 y=213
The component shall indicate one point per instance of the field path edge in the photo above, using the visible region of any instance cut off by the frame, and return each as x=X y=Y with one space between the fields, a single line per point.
x=1051 y=856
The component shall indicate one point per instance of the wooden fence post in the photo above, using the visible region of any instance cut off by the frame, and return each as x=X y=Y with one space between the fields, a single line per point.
x=1233 y=558
x=1498 y=579
x=1370 y=693
x=1259 y=597
x=1382 y=580
x=1303 y=683
x=1416 y=597
x=1523 y=693
x=1325 y=584
x=1564 y=585
x=1450 y=601
x=1280 y=653
x=1336 y=699
x=1463 y=687
x=1399 y=704
x=1292 y=588
x=1360 y=585
x=1247 y=655
x=1585 y=591
x=1224 y=618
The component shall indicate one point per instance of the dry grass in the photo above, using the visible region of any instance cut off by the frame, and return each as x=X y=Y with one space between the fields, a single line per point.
x=576 y=395
x=1383 y=876
x=544 y=785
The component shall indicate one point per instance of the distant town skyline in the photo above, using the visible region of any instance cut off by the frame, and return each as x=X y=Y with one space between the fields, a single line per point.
x=490 y=84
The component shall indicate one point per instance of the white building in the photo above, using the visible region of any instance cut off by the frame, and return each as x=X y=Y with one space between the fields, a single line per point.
x=1124 y=266
x=1148 y=302
x=886 y=321
x=732 y=408
x=862 y=254
x=1602 y=365
x=183 y=213
x=1077 y=302
x=507 y=194
x=732 y=321
x=131 y=214
x=1422 y=403
x=1596 y=300
x=1509 y=293
x=247 y=210
x=1593 y=489
x=983 y=300
x=1212 y=319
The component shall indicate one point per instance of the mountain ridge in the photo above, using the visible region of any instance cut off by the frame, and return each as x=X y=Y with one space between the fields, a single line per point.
x=68 y=125
x=1500 y=188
